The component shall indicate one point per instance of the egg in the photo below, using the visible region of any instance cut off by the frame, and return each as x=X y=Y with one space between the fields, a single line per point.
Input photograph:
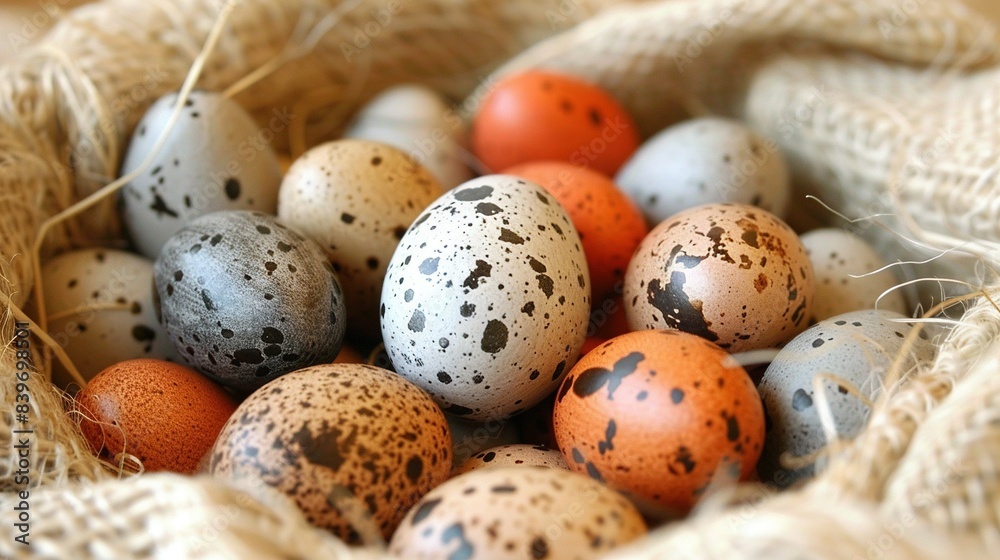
x=836 y=255
x=485 y=303
x=214 y=158
x=469 y=438
x=517 y=455
x=100 y=309
x=609 y=224
x=356 y=198
x=246 y=299
x=336 y=437
x=702 y=161
x=660 y=415
x=348 y=355
x=540 y=115
x=517 y=512
x=733 y=274
x=857 y=348
x=164 y=414
x=419 y=121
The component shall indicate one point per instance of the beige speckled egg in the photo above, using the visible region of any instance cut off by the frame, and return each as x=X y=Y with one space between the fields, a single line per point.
x=733 y=274
x=334 y=430
x=356 y=198
x=516 y=455
x=517 y=512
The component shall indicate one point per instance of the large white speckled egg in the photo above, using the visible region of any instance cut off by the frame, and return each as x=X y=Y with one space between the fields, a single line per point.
x=858 y=348
x=356 y=198
x=100 y=308
x=337 y=438
x=485 y=304
x=419 y=121
x=246 y=299
x=702 y=161
x=836 y=255
x=733 y=274
x=515 y=513
x=215 y=158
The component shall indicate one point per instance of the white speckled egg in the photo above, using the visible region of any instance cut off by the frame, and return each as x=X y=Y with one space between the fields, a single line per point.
x=732 y=274
x=515 y=513
x=246 y=299
x=420 y=122
x=857 y=347
x=335 y=438
x=705 y=160
x=470 y=437
x=485 y=304
x=356 y=198
x=101 y=310
x=215 y=158
x=516 y=455
x=836 y=254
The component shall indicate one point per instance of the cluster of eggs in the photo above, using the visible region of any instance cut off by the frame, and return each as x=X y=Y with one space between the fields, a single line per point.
x=560 y=336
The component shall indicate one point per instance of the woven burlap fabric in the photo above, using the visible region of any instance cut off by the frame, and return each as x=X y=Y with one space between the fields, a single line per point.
x=879 y=108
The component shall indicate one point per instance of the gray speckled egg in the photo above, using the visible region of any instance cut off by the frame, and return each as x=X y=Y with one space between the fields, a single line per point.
x=858 y=347
x=246 y=299
x=356 y=198
x=836 y=254
x=516 y=455
x=101 y=310
x=705 y=160
x=214 y=158
x=732 y=274
x=336 y=438
x=485 y=304
x=515 y=513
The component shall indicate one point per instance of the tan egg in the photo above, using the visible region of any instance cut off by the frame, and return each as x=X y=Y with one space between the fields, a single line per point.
x=516 y=455
x=517 y=512
x=356 y=198
x=339 y=437
x=733 y=274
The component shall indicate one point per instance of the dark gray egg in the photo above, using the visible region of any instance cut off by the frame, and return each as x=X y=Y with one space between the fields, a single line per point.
x=245 y=299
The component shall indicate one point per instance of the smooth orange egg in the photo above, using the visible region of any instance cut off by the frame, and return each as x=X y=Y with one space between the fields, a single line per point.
x=539 y=115
x=163 y=413
x=660 y=415
x=611 y=227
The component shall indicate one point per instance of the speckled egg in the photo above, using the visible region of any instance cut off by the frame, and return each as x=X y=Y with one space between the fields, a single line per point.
x=470 y=438
x=246 y=299
x=610 y=225
x=486 y=301
x=419 y=121
x=516 y=455
x=702 y=161
x=546 y=116
x=356 y=198
x=164 y=414
x=515 y=513
x=733 y=274
x=336 y=436
x=214 y=158
x=660 y=415
x=858 y=348
x=100 y=309
x=836 y=254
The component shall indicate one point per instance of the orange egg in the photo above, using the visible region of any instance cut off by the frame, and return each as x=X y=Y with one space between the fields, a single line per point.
x=590 y=343
x=163 y=413
x=660 y=415
x=348 y=355
x=610 y=225
x=612 y=320
x=540 y=115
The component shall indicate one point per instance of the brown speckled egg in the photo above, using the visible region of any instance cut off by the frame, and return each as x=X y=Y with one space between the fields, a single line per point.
x=339 y=436
x=516 y=455
x=515 y=513
x=730 y=273
x=164 y=414
x=356 y=198
x=659 y=415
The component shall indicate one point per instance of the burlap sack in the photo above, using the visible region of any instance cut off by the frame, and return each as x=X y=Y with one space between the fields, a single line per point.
x=882 y=107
